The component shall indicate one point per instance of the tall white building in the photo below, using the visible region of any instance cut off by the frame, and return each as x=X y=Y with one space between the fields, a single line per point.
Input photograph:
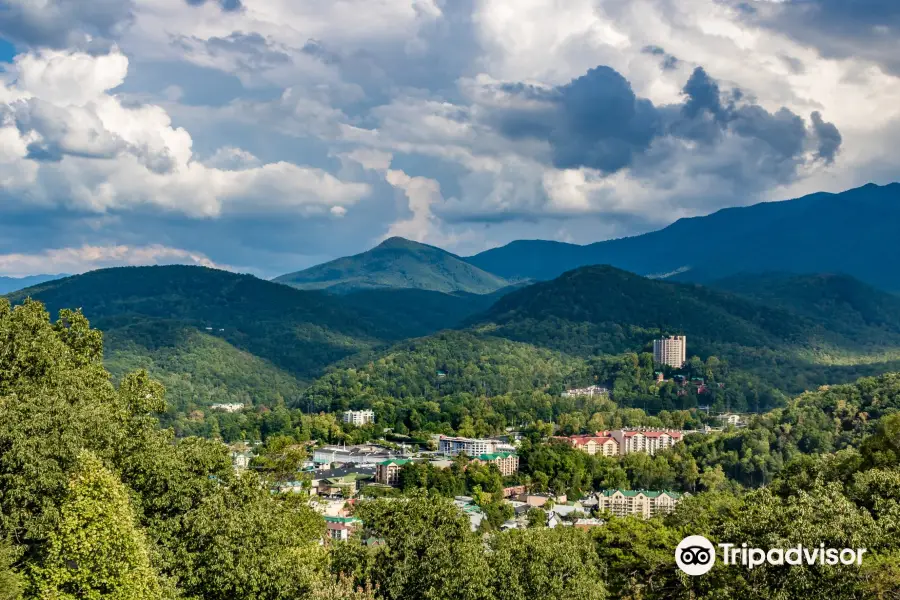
x=670 y=351
x=359 y=417
x=468 y=446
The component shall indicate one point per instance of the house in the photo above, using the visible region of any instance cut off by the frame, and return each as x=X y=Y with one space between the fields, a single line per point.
x=642 y=503
x=240 y=459
x=515 y=490
x=588 y=523
x=337 y=531
x=388 y=472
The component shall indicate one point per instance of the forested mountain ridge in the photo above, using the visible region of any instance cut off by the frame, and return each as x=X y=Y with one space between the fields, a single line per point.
x=851 y=232
x=9 y=285
x=794 y=313
x=397 y=263
x=211 y=335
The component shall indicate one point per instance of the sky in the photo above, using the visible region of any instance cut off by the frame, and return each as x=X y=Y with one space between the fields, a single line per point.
x=266 y=136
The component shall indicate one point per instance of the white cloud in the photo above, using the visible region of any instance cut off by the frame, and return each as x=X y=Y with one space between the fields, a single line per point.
x=73 y=143
x=86 y=258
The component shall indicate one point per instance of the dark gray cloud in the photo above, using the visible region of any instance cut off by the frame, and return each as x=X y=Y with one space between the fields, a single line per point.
x=63 y=23
x=828 y=136
x=227 y=5
x=837 y=28
x=669 y=61
x=597 y=121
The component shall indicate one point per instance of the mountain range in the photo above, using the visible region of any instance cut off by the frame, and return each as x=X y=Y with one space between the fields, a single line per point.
x=214 y=336
x=14 y=284
x=851 y=233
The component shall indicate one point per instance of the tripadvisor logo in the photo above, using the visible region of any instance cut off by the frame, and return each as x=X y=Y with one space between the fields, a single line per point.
x=696 y=555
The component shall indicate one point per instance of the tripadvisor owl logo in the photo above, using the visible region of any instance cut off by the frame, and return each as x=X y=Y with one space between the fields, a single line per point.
x=695 y=555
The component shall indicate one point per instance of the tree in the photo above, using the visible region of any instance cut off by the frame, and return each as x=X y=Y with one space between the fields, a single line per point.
x=98 y=550
x=553 y=564
x=429 y=550
x=536 y=518
x=11 y=583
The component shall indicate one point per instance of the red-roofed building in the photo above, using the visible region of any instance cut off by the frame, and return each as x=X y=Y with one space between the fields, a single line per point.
x=599 y=444
x=646 y=440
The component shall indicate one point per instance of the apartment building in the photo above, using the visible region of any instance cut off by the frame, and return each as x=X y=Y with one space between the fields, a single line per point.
x=388 y=472
x=670 y=351
x=642 y=503
x=645 y=440
x=604 y=445
x=359 y=417
x=468 y=446
x=507 y=462
x=624 y=441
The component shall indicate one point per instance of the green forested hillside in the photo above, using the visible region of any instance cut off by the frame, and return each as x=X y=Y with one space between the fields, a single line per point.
x=837 y=302
x=213 y=336
x=792 y=342
x=397 y=263
x=414 y=313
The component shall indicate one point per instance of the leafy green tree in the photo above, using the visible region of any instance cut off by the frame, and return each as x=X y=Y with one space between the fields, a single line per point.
x=556 y=564
x=11 y=581
x=429 y=551
x=98 y=550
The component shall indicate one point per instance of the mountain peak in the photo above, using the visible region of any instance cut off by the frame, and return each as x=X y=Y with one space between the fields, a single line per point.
x=399 y=242
x=397 y=263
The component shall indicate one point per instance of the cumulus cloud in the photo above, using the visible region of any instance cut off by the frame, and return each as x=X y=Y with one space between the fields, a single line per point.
x=86 y=258
x=63 y=23
x=596 y=121
x=72 y=142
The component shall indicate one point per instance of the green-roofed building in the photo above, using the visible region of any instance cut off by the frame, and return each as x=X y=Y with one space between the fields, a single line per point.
x=507 y=462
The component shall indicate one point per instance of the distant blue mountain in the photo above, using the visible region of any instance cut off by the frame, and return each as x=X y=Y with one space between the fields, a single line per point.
x=9 y=285
x=853 y=233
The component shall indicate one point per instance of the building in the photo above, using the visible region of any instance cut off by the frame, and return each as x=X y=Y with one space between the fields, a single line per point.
x=359 y=417
x=642 y=503
x=645 y=440
x=507 y=462
x=593 y=390
x=344 y=482
x=340 y=528
x=240 y=459
x=468 y=446
x=623 y=441
x=604 y=445
x=229 y=408
x=670 y=351
x=731 y=419
x=388 y=472
x=358 y=455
